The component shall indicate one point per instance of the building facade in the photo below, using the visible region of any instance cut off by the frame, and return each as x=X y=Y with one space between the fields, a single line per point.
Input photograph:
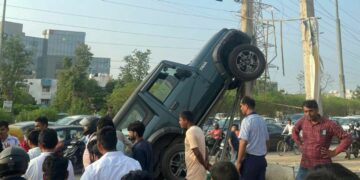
x=43 y=90
x=99 y=65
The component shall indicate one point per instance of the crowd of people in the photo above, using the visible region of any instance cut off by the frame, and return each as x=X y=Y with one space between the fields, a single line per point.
x=110 y=155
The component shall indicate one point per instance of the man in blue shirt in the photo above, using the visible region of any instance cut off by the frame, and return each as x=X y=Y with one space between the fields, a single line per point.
x=254 y=136
x=141 y=150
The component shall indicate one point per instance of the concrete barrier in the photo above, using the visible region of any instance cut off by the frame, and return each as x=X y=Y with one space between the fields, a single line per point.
x=280 y=172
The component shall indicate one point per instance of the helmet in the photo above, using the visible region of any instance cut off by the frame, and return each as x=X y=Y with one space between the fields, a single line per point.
x=13 y=161
x=89 y=124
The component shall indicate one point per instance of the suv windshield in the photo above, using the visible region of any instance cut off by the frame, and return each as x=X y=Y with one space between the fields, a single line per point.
x=164 y=83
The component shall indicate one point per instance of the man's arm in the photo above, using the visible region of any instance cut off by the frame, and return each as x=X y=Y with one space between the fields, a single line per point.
x=296 y=131
x=200 y=158
x=241 y=153
x=345 y=141
x=285 y=129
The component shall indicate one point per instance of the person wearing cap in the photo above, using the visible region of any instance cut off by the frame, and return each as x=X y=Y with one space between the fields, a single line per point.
x=89 y=125
x=13 y=163
x=5 y=138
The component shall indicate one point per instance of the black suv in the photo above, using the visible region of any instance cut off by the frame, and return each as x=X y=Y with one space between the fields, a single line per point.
x=224 y=63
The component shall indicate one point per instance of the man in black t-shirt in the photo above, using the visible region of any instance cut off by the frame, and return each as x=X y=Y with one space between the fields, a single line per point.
x=142 y=150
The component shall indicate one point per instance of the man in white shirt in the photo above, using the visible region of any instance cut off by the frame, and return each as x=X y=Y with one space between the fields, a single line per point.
x=288 y=128
x=32 y=141
x=5 y=138
x=47 y=143
x=113 y=164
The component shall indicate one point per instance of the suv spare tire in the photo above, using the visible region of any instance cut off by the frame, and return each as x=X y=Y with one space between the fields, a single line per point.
x=173 y=162
x=246 y=62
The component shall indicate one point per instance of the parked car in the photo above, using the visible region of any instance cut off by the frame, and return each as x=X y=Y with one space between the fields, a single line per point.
x=272 y=121
x=71 y=120
x=66 y=134
x=225 y=62
x=18 y=129
x=275 y=136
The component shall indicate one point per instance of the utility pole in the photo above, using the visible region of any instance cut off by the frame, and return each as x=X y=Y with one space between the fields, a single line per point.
x=339 y=52
x=2 y=28
x=310 y=44
x=247 y=26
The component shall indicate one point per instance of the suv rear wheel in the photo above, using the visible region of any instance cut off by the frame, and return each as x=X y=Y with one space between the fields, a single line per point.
x=173 y=162
x=246 y=62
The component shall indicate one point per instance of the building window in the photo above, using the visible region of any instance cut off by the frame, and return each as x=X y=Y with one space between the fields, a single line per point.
x=45 y=101
x=45 y=89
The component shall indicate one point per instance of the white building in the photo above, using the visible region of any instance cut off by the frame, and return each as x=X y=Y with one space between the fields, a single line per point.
x=101 y=79
x=348 y=93
x=43 y=90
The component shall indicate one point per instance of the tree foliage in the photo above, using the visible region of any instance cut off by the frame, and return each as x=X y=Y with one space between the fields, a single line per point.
x=121 y=94
x=75 y=92
x=325 y=81
x=136 y=67
x=14 y=64
x=31 y=115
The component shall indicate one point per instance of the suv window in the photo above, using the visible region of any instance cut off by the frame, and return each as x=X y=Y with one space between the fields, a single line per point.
x=136 y=113
x=165 y=82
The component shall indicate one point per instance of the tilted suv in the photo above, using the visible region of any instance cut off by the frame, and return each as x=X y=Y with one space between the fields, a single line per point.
x=225 y=61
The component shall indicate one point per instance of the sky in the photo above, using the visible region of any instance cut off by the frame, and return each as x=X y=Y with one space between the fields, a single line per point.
x=176 y=30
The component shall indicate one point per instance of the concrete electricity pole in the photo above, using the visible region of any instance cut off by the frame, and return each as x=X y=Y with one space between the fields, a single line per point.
x=247 y=26
x=2 y=27
x=339 y=53
x=309 y=31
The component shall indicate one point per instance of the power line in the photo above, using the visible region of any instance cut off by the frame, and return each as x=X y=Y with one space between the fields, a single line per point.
x=167 y=11
x=108 y=19
x=195 y=6
x=143 y=46
x=109 y=30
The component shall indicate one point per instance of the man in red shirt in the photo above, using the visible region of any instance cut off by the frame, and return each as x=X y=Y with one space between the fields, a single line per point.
x=317 y=132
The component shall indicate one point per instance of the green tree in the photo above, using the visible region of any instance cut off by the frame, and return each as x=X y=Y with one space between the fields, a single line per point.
x=14 y=64
x=73 y=92
x=121 y=94
x=136 y=67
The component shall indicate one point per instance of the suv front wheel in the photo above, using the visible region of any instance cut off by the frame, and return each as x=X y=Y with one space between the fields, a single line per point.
x=246 y=62
x=173 y=162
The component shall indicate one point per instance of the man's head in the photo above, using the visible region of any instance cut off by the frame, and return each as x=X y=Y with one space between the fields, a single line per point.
x=136 y=130
x=106 y=140
x=289 y=121
x=13 y=162
x=216 y=125
x=311 y=110
x=332 y=171
x=234 y=127
x=137 y=175
x=55 y=168
x=103 y=122
x=93 y=151
x=247 y=105
x=41 y=123
x=186 y=118
x=89 y=124
x=48 y=140
x=33 y=138
x=4 y=129
x=224 y=170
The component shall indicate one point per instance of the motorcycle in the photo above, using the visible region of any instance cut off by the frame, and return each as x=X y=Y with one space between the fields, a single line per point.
x=354 y=146
x=74 y=152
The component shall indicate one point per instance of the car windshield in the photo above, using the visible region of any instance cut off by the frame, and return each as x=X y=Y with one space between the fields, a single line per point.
x=64 y=120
